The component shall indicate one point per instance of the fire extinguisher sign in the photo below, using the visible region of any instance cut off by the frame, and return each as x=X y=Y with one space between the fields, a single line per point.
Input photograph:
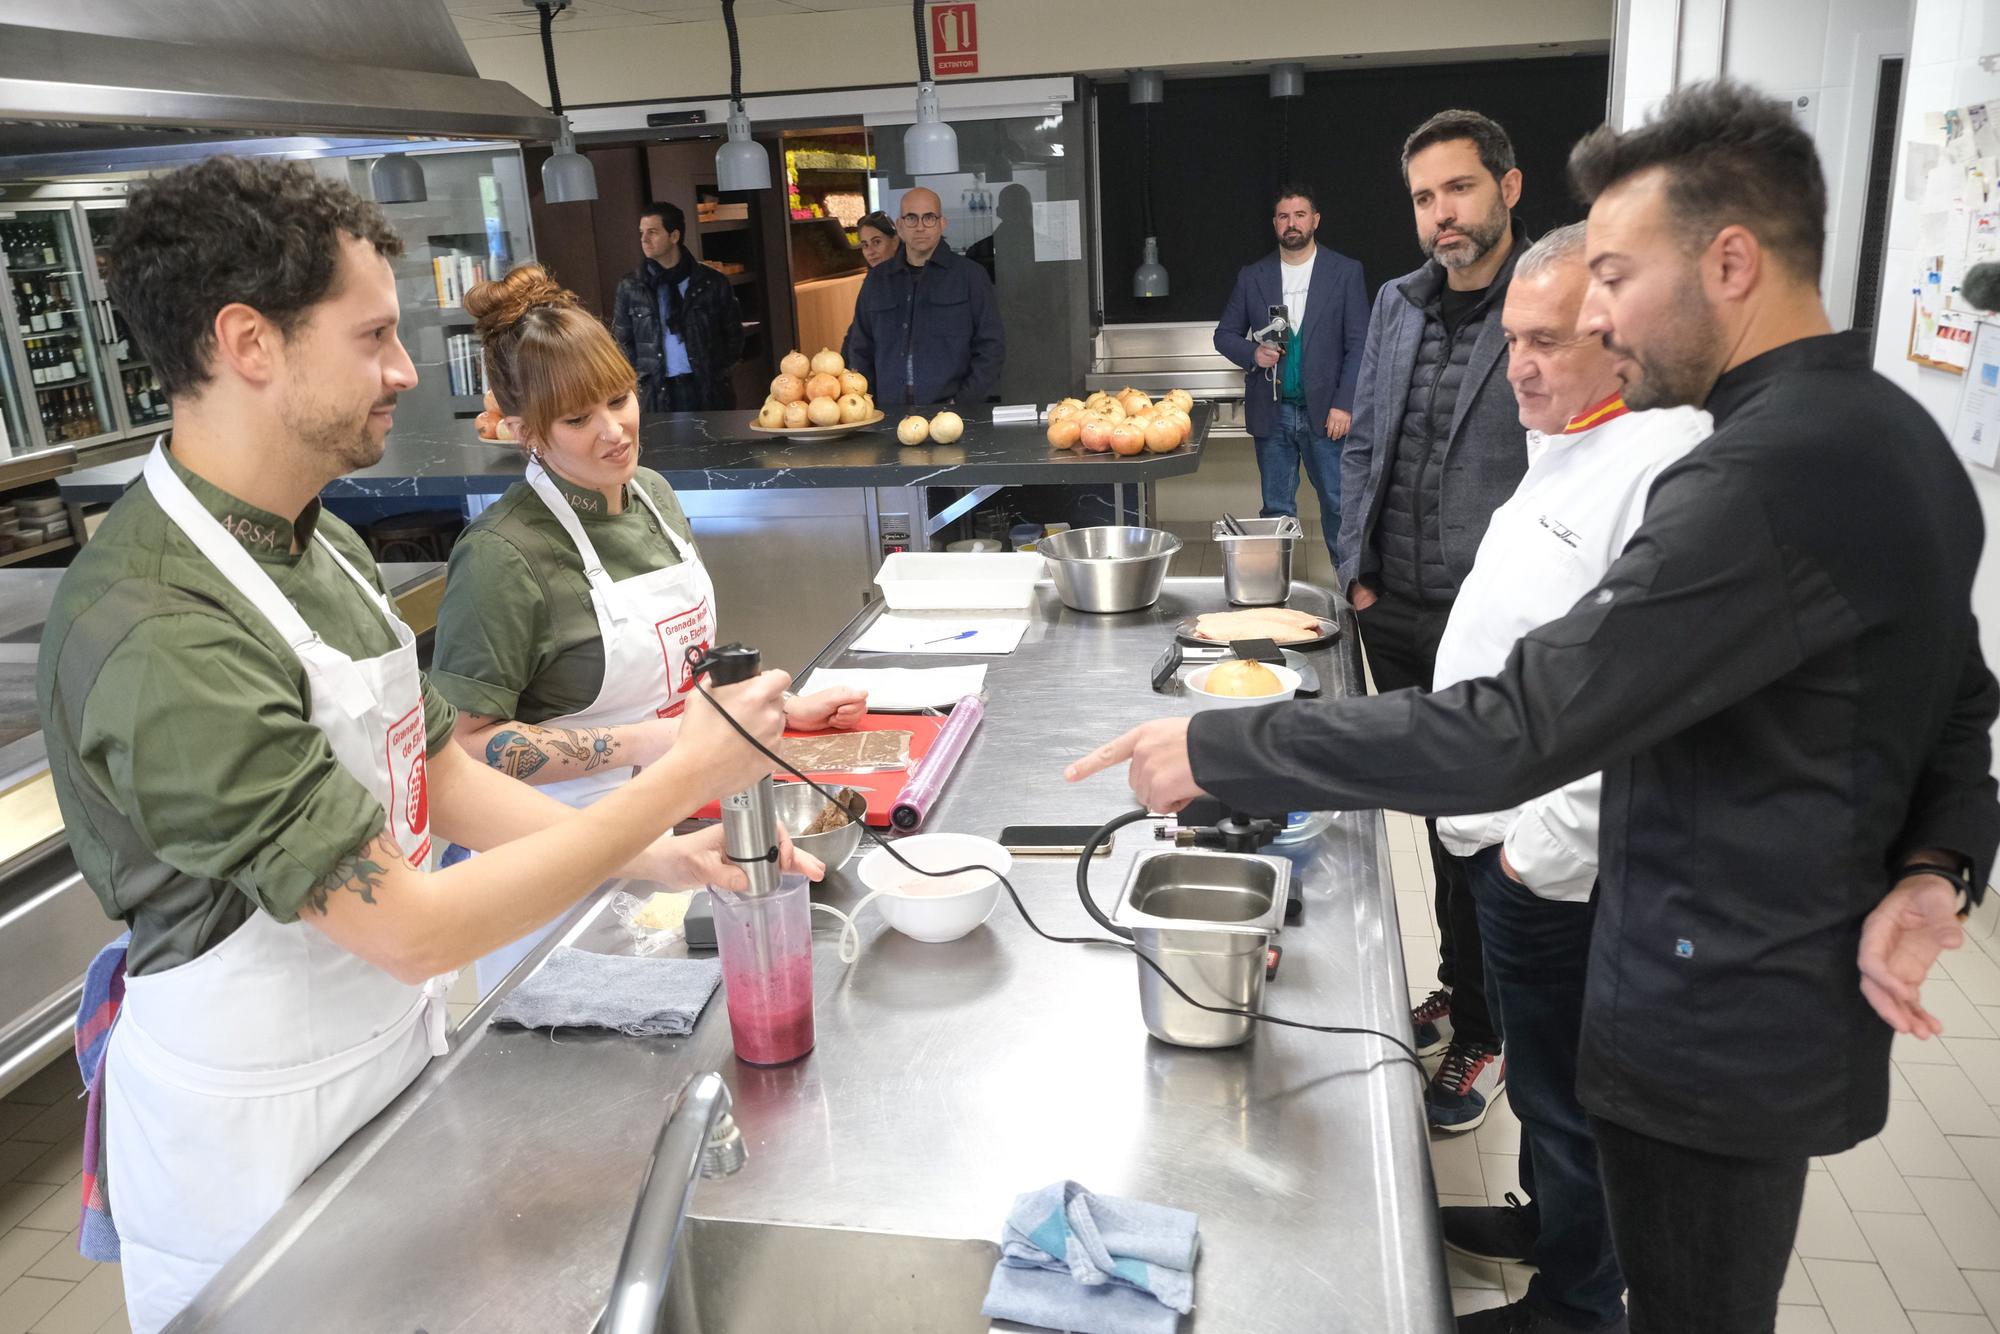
x=954 y=39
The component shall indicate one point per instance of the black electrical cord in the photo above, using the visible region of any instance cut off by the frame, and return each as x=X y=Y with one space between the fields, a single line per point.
x=735 y=54
x=549 y=56
x=1409 y=1052
x=923 y=43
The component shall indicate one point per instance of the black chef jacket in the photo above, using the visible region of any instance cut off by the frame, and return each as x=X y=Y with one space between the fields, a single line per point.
x=1781 y=680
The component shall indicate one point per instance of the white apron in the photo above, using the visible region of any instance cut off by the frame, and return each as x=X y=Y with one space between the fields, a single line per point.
x=647 y=624
x=231 y=1077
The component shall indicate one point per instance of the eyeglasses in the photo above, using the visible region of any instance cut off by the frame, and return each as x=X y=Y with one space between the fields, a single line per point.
x=922 y=220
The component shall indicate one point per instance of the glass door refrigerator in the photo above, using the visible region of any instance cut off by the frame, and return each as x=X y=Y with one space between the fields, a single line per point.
x=17 y=428
x=52 y=276
x=142 y=402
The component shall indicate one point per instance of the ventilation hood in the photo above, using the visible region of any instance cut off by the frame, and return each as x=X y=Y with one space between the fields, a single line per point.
x=137 y=74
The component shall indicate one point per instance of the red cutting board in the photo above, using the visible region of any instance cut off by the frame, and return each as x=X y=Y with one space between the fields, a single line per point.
x=881 y=788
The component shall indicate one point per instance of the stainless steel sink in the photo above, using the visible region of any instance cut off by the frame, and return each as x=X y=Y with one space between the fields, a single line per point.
x=759 y=1278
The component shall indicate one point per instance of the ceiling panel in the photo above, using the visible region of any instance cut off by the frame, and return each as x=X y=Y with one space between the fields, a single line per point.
x=498 y=18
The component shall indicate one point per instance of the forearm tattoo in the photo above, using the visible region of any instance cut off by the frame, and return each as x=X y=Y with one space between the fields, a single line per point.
x=520 y=751
x=359 y=872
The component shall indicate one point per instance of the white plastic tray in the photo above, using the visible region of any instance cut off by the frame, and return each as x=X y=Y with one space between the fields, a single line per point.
x=959 y=580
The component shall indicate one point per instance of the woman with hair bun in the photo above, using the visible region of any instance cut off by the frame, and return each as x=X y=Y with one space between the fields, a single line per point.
x=572 y=600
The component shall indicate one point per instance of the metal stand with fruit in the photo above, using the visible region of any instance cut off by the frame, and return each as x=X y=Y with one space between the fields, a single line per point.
x=1127 y=422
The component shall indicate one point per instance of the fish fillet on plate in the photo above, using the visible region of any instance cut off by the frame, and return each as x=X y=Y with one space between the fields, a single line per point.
x=1276 y=623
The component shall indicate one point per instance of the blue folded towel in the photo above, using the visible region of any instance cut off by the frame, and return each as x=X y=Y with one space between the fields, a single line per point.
x=1094 y=1264
x=639 y=997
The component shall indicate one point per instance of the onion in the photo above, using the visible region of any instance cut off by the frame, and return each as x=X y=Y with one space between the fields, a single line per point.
x=1065 y=433
x=854 y=408
x=1127 y=439
x=1162 y=436
x=913 y=430
x=853 y=382
x=788 y=389
x=795 y=414
x=827 y=362
x=823 y=412
x=823 y=385
x=771 y=415
x=947 y=427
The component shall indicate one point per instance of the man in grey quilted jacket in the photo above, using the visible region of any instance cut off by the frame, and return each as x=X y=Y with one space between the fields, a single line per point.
x=1435 y=448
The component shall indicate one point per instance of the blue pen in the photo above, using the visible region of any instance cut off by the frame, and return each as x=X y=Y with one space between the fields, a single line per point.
x=962 y=634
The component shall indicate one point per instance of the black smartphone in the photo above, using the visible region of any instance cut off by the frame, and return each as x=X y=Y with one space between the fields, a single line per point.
x=1051 y=840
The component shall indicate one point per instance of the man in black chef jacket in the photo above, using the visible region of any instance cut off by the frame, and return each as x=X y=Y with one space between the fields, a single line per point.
x=1792 y=724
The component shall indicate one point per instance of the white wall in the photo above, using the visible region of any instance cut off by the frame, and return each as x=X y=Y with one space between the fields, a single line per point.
x=1947 y=37
x=1824 y=51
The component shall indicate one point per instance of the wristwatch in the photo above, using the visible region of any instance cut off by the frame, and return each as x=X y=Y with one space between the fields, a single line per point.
x=1959 y=875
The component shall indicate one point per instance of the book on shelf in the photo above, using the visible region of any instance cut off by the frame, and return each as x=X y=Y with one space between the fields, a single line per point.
x=465 y=362
x=455 y=275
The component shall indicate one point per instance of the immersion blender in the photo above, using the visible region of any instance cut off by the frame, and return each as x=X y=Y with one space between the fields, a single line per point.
x=764 y=934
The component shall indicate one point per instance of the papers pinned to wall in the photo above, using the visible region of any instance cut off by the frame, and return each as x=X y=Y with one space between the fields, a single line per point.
x=1951 y=171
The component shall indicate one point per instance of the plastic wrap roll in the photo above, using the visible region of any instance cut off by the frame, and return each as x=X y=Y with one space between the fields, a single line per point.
x=927 y=779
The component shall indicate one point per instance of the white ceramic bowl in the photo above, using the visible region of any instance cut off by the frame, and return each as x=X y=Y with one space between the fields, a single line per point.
x=1197 y=681
x=935 y=918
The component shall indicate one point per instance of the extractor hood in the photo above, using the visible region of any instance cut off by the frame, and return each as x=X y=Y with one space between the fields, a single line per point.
x=106 y=74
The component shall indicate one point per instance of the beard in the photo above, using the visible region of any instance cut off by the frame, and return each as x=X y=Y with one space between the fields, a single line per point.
x=1294 y=239
x=332 y=435
x=1477 y=239
x=1679 y=364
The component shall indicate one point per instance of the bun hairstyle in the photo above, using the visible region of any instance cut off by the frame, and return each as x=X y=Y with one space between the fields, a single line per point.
x=546 y=356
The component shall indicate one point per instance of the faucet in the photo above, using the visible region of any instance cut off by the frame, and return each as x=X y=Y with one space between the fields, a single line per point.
x=698 y=1133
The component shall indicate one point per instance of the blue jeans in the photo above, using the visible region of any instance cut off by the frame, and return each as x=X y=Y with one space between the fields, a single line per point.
x=1536 y=950
x=1300 y=439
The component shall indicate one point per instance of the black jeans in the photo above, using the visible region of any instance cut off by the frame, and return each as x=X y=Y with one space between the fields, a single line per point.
x=1401 y=638
x=1536 y=951
x=1703 y=1238
x=683 y=394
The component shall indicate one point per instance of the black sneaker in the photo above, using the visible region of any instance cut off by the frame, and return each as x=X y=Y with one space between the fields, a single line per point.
x=1490 y=1232
x=1521 y=1318
x=1432 y=1020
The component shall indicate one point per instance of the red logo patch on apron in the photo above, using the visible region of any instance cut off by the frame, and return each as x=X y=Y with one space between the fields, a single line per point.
x=694 y=628
x=409 y=788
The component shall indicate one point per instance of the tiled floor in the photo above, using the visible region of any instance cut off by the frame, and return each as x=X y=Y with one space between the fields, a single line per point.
x=45 y=1287
x=1900 y=1235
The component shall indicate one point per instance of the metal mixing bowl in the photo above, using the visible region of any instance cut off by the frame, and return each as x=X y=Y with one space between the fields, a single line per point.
x=1109 y=569
x=797 y=806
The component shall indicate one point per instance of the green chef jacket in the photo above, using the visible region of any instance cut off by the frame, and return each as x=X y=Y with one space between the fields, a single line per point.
x=194 y=786
x=516 y=635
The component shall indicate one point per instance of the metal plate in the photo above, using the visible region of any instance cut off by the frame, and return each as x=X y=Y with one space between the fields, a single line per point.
x=834 y=432
x=1184 y=631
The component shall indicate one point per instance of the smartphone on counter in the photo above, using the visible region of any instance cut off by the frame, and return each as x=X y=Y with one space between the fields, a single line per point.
x=1051 y=840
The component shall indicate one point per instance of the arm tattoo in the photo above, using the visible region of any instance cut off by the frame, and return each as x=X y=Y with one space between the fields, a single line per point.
x=514 y=752
x=358 y=871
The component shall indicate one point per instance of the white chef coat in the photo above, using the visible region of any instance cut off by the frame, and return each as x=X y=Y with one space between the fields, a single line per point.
x=1581 y=500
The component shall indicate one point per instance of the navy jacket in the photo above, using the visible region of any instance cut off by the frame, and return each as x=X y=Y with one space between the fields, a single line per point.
x=927 y=333
x=1336 y=328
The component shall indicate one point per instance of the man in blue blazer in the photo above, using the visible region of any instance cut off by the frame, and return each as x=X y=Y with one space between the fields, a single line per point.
x=1298 y=403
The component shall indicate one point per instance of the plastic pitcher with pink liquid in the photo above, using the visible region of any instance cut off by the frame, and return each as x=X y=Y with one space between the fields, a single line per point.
x=765 y=941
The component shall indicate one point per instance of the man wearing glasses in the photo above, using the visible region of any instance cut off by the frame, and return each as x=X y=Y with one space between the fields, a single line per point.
x=926 y=329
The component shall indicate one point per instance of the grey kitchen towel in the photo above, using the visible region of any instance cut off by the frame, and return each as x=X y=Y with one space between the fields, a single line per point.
x=639 y=997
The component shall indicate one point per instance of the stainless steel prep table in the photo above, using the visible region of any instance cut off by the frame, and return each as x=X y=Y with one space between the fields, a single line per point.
x=495 y=1193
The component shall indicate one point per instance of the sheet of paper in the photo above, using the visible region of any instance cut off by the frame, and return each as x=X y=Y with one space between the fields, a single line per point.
x=1975 y=433
x=1931 y=128
x=1960 y=148
x=1942 y=185
x=1058 y=230
x=1985 y=120
x=941 y=632
x=1918 y=160
x=903 y=689
x=1952 y=345
x=1930 y=233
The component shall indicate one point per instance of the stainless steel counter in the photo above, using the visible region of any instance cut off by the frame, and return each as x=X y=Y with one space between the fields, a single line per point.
x=494 y=1194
